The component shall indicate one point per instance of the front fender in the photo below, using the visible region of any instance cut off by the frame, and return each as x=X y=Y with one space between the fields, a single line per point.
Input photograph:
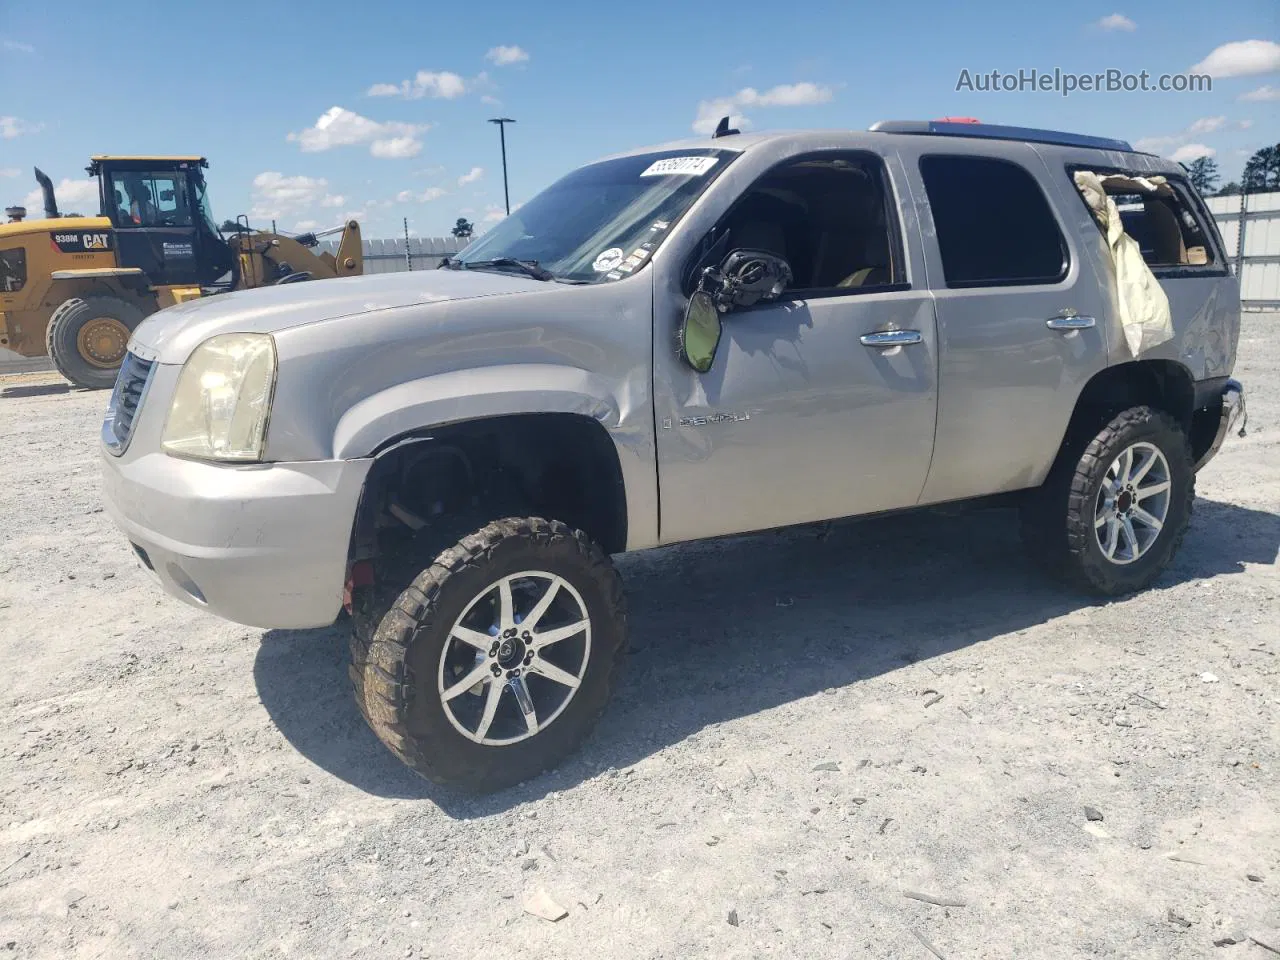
x=459 y=395
x=512 y=389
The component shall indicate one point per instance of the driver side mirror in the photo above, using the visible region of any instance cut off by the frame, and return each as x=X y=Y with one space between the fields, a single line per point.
x=746 y=277
x=700 y=332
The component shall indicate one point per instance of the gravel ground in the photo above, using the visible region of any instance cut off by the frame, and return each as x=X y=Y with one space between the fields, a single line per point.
x=810 y=730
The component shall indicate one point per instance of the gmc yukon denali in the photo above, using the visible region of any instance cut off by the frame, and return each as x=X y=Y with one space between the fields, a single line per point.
x=704 y=338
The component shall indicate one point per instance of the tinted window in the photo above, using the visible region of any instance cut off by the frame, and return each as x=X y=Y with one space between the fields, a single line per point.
x=13 y=270
x=993 y=223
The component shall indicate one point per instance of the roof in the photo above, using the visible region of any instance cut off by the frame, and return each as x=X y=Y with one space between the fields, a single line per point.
x=740 y=142
x=189 y=159
x=993 y=131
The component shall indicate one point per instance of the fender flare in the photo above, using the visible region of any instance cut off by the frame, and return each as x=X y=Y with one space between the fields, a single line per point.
x=473 y=394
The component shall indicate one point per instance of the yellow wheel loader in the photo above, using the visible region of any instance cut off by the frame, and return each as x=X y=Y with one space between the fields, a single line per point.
x=75 y=287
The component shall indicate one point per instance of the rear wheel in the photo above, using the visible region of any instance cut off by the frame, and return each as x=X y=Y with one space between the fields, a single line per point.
x=496 y=662
x=87 y=338
x=1112 y=518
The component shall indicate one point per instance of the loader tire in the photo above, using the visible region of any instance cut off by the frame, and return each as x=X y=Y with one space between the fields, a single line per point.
x=427 y=689
x=87 y=337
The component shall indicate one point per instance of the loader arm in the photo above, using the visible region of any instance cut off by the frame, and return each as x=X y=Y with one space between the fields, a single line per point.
x=270 y=258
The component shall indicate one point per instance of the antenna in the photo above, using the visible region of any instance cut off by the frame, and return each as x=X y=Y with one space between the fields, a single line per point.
x=723 y=129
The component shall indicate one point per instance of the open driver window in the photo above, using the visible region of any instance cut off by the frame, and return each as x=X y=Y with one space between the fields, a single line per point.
x=829 y=216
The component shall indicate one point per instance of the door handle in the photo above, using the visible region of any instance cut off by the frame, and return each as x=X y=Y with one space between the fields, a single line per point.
x=1070 y=323
x=891 y=338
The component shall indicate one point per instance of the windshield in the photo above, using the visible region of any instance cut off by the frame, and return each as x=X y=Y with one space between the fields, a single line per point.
x=602 y=221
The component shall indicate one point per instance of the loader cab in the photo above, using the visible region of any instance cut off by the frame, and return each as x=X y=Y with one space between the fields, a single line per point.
x=159 y=207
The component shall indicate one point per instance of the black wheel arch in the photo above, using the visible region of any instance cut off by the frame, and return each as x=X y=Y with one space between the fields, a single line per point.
x=558 y=465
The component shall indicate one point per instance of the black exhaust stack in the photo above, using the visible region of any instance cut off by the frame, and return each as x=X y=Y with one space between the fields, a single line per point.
x=50 y=202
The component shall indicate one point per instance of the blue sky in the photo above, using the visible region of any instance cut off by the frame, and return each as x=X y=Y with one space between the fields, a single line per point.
x=377 y=109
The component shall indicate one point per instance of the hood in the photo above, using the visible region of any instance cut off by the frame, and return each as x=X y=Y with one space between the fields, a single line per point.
x=170 y=335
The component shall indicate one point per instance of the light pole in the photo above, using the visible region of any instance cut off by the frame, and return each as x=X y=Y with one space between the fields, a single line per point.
x=502 y=134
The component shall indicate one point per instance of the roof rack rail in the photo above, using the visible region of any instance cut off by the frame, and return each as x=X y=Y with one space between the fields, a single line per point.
x=992 y=131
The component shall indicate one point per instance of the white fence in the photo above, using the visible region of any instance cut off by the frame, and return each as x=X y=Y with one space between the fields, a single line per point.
x=1256 y=261
x=393 y=256
x=1258 y=268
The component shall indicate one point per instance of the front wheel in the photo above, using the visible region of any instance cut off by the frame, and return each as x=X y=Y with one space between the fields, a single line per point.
x=496 y=662
x=1113 y=519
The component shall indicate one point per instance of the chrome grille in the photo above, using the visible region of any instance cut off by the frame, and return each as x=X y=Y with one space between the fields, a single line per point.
x=126 y=401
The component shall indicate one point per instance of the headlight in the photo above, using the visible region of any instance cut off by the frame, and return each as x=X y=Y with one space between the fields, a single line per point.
x=223 y=399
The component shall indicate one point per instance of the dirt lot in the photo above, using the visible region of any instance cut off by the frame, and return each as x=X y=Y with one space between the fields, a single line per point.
x=809 y=730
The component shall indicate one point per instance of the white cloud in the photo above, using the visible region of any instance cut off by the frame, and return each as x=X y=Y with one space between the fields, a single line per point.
x=492 y=214
x=784 y=95
x=1191 y=151
x=19 y=47
x=1241 y=58
x=1116 y=21
x=396 y=148
x=491 y=100
x=12 y=127
x=73 y=196
x=339 y=127
x=426 y=196
x=471 y=176
x=1185 y=139
x=1205 y=125
x=441 y=85
x=9 y=172
x=1154 y=144
x=276 y=196
x=306 y=224
x=1264 y=94
x=505 y=56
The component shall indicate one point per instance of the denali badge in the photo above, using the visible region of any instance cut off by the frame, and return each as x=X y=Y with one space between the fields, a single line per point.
x=714 y=418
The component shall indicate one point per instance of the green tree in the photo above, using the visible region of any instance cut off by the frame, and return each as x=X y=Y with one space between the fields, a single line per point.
x=1204 y=176
x=1229 y=189
x=1262 y=171
x=463 y=229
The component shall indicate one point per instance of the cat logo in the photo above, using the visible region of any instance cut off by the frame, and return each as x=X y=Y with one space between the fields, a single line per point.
x=81 y=241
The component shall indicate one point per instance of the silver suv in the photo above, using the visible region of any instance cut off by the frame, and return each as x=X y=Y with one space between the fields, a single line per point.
x=699 y=339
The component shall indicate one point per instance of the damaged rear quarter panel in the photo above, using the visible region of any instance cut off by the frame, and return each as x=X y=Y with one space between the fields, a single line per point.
x=1204 y=303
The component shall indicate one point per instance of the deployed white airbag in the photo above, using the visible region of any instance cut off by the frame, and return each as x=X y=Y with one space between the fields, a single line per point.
x=1142 y=303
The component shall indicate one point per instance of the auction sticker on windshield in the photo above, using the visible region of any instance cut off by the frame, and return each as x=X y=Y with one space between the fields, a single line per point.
x=608 y=260
x=680 y=166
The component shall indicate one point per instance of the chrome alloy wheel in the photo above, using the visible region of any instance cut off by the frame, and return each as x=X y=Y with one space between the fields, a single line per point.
x=527 y=635
x=1133 y=503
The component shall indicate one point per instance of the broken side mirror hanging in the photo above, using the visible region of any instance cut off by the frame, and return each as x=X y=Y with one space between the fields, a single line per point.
x=747 y=277
x=700 y=332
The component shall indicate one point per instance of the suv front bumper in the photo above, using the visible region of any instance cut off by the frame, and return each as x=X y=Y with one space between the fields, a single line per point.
x=263 y=544
x=1233 y=412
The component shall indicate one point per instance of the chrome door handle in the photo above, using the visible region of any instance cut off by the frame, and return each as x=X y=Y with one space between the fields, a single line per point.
x=891 y=338
x=1070 y=323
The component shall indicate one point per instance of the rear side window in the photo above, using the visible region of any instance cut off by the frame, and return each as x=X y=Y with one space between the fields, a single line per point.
x=993 y=223
x=1163 y=221
x=13 y=270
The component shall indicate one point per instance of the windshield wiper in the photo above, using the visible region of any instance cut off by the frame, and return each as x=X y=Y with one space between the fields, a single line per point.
x=528 y=267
